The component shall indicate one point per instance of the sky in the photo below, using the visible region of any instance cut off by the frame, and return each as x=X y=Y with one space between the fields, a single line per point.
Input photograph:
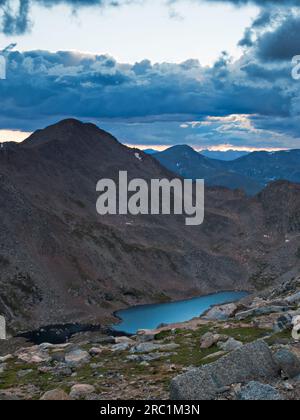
x=214 y=74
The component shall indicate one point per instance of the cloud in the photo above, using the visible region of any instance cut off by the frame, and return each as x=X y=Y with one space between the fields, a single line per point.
x=149 y=102
x=163 y=103
x=16 y=20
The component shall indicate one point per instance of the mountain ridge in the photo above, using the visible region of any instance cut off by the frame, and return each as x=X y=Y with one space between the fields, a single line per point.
x=251 y=172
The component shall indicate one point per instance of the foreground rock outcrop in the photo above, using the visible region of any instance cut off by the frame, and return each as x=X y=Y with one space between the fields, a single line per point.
x=252 y=362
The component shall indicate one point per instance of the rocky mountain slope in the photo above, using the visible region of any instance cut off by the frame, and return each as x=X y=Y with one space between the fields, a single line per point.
x=62 y=262
x=243 y=351
x=251 y=172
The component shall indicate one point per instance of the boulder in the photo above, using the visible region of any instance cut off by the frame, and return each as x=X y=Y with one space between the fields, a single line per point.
x=209 y=339
x=95 y=351
x=221 y=313
x=151 y=347
x=104 y=340
x=121 y=347
x=291 y=300
x=58 y=356
x=33 y=355
x=77 y=357
x=6 y=358
x=144 y=336
x=296 y=328
x=55 y=395
x=256 y=391
x=288 y=363
x=230 y=345
x=2 y=328
x=283 y=322
x=264 y=310
x=120 y=340
x=251 y=362
x=81 y=391
x=9 y=396
x=150 y=357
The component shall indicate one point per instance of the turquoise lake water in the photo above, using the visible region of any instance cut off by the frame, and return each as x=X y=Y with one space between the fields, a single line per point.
x=151 y=316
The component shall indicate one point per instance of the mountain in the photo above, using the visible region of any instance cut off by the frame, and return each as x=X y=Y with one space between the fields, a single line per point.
x=266 y=167
x=250 y=173
x=227 y=155
x=186 y=162
x=61 y=262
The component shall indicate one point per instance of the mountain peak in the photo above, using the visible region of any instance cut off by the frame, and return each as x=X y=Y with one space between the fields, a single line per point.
x=68 y=131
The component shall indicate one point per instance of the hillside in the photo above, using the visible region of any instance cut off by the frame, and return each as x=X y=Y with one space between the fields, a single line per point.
x=61 y=262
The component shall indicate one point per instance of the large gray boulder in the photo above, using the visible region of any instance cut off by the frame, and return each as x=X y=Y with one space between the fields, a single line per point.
x=255 y=391
x=222 y=312
x=249 y=363
x=288 y=363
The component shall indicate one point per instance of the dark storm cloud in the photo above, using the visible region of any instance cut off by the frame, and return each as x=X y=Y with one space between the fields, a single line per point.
x=282 y=43
x=40 y=83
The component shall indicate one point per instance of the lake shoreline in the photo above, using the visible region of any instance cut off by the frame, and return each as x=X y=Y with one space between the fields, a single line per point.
x=174 y=302
x=68 y=330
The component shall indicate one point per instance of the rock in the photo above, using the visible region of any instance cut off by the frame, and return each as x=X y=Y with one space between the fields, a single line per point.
x=33 y=354
x=147 y=357
x=282 y=323
x=62 y=371
x=144 y=336
x=95 y=351
x=221 y=313
x=230 y=345
x=58 y=357
x=56 y=347
x=264 y=310
x=291 y=300
x=8 y=396
x=104 y=340
x=120 y=340
x=209 y=339
x=77 y=357
x=288 y=363
x=288 y=386
x=23 y=373
x=296 y=328
x=151 y=347
x=213 y=356
x=251 y=362
x=3 y=366
x=55 y=395
x=256 y=391
x=258 y=302
x=2 y=328
x=6 y=358
x=120 y=347
x=81 y=391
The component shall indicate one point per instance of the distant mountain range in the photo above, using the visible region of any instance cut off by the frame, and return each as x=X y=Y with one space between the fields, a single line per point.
x=250 y=173
x=61 y=262
x=226 y=155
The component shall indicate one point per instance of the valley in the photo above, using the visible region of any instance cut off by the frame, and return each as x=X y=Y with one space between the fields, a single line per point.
x=67 y=264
